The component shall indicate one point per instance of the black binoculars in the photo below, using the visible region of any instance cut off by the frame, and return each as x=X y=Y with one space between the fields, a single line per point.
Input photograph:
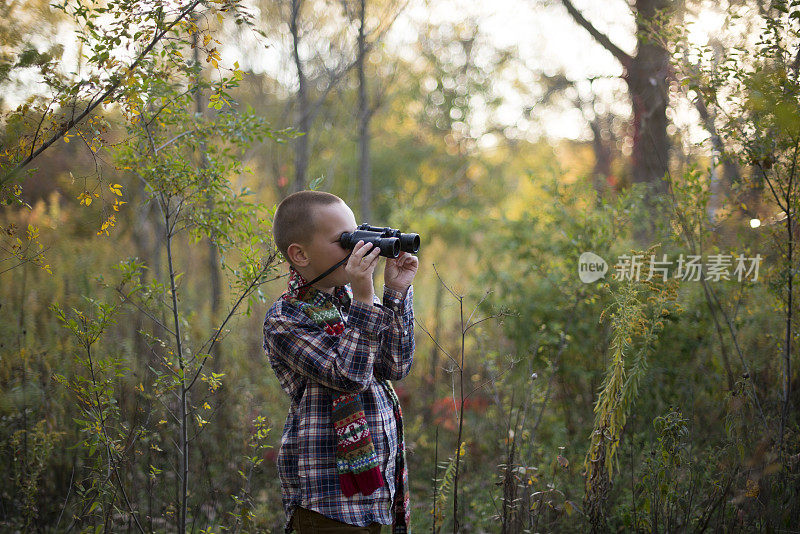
x=389 y=240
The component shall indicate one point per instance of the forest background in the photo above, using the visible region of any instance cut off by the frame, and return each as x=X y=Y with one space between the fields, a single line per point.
x=146 y=144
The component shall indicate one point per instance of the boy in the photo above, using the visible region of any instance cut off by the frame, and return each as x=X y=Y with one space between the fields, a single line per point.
x=334 y=347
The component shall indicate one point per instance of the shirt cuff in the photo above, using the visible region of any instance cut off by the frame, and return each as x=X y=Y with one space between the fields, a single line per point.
x=393 y=295
x=401 y=305
x=367 y=319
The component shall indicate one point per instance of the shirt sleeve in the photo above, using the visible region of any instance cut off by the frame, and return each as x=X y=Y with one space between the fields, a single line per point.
x=397 y=340
x=344 y=362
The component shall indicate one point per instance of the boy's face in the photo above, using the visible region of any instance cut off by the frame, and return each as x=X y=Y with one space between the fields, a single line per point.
x=324 y=251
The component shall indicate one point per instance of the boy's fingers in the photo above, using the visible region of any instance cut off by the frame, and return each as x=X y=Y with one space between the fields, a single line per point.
x=373 y=251
x=361 y=252
x=374 y=255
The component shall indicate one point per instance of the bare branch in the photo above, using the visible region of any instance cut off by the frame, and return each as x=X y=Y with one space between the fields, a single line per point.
x=126 y=298
x=476 y=307
x=503 y=314
x=437 y=343
x=445 y=285
x=492 y=379
x=599 y=36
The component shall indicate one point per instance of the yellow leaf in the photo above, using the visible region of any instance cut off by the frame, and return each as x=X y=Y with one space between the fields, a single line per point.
x=569 y=507
x=206 y=39
x=33 y=232
x=752 y=488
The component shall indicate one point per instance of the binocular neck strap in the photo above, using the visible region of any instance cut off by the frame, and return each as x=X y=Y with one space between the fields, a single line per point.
x=326 y=273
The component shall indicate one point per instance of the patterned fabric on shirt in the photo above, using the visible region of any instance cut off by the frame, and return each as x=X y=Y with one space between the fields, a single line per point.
x=313 y=366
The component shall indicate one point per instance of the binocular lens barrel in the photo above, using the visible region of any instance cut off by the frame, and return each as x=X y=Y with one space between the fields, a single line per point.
x=389 y=246
x=408 y=242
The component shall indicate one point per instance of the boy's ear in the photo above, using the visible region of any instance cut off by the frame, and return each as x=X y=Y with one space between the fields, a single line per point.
x=297 y=255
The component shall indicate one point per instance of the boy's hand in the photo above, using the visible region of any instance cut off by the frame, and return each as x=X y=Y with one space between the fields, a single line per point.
x=359 y=268
x=399 y=272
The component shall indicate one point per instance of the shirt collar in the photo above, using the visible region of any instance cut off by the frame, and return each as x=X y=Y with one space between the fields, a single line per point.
x=310 y=293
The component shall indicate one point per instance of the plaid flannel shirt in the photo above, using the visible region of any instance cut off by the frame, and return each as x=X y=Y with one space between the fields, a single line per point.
x=377 y=342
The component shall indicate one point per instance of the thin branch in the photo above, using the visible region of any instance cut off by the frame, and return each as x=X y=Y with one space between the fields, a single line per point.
x=39 y=127
x=436 y=342
x=210 y=417
x=442 y=281
x=127 y=298
x=187 y=132
x=478 y=305
x=492 y=379
x=168 y=409
x=17 y=265
x=253 y=284
x=556 y=361
x=599 y=36
x=502 y=314
x=69 y=490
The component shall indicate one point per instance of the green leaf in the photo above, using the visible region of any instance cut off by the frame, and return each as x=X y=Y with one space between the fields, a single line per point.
x=315 y=184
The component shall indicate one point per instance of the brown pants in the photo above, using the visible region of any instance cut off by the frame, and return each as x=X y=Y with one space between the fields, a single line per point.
x=307 y=521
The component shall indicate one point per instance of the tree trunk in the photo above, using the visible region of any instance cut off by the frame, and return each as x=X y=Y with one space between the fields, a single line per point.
x=213 y=254
x=437 y=335
x=646 y=76
x=301 y=147
x=603 y=157
x=647 y=83
x=364 y=118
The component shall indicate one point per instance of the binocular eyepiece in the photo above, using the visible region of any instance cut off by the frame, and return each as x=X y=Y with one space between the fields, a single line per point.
x=389 y=240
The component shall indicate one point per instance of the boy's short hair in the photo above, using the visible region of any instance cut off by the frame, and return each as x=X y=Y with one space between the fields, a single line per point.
x=294 y=220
